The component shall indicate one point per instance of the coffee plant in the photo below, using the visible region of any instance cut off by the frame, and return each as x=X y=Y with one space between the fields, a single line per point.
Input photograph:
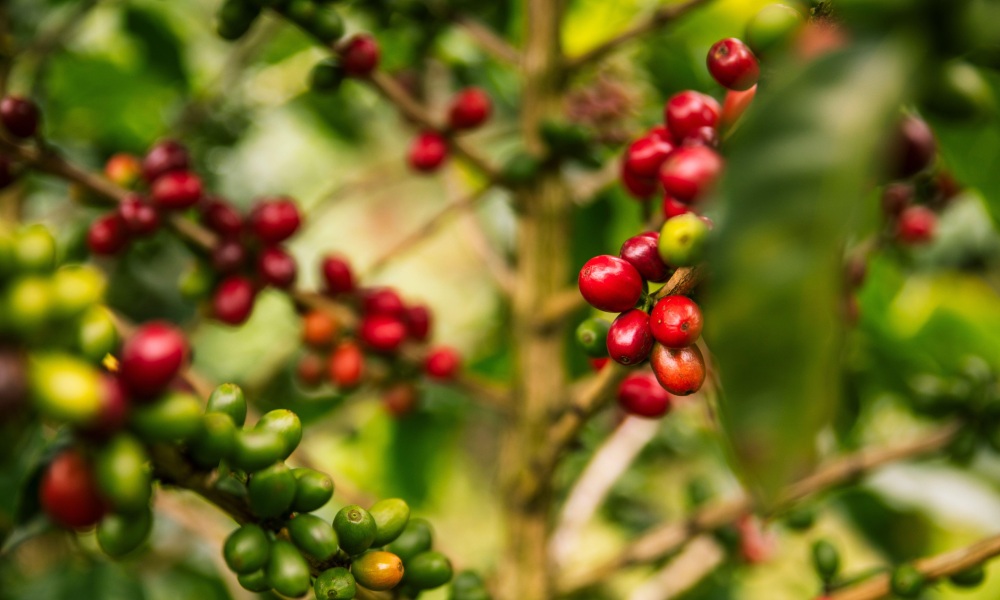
x=515 y=300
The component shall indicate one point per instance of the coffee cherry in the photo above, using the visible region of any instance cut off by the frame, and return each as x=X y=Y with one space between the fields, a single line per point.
x=287 y=571
x=123 y=169
x=383 y=301
x=610 y=283
x=673 y=207
x=592 y=336
x=233 y=300
x=228 y=399
x=19 y=116
x=68 y=492
x=400 y=399
x=682 y=240
x=680 y=371
x=234 y=18
x=641 y=395
x=75 y=288
x=335 y=584
x=359 y=55
x=119 y=534
x=428 y=151
x=469 y=109
x=686 y=111
x=107 y=235
x=337 y=276
x=773 y=28
x=676 y=321
x=690 y=172
x=598 y=363
x=327 y=25
x=442 y=363
x=140 y=217
x=378 y=570
x=735 y=104
x=907 y=581
x=326 y=76
x=276 y=267
x=638 y=187
x=256 y=449
x=418 y=322
x=629 y=338
x=896 y=197
x=733 y=65
x=703 y=136
x=164 y=157
x=313 y=490
x=152 y=358
x=221 y=217
x=65 y=388
x=176 y=190
x=247 y=549
x=215 y=441
x=916 y=225
x=913 y=148
x=113 y=412
x=313 y=536
x=346 y=366
x=228 y=256
x=271 y=491
x=428 y=570
x=120 y=468
x=969 y=578
x=417 y=537
x=355 y=528
x=173 y=417
x=382 y=332
x=35 y=250
x=318 y=329
x=286 y=424
x=391 y=516
x=645 y=155
x=641 y=252
x=274 y=221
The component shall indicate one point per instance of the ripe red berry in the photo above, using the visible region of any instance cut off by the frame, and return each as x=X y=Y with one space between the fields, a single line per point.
x=123 y=169
x=690 y=172
x=68 y=492
x=176 y=190
x=275 y=220
x=337 y=276
x=680 y=371
x=687 y=111
x=661 y=132
x=233 y=300
x=645 y=155
x=896 y=197
x=221 y=217
x=673 y=207
x=139 y=216
x=735 y=104
x=382 y=332
x=914 y=148
x=346 y=365
x=641 y=395
x=152 y=358
x=318 y=329
x=228 y=256
x=418 y=321
x=676 y=321
x=641 y=252
x=610 y=283
x=276 y=267
x=400 y=399
x=916 y=225
x=113 y=414
x=703 y=136
x=638 y=187
x=733 y=64
x=442 y=363
x=470 y=108
x=107 y=235
x=19 y=116
x=163 y=157
x=359 y=55
x=629 y=339
x=383 y=301
x=598 y=363
x=428 y=151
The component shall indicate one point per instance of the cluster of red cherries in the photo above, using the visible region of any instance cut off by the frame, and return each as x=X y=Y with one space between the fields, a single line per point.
x=469 y=109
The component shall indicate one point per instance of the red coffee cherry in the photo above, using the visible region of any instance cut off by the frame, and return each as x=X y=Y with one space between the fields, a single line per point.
x=383 y=301
x=400 y=399
x=382 y=332
x=346 y=365
x=680 y=371
x=598 y=363
x=310 y=370
x=107 y=235
x=914 y=148
x=359 y=55
x=113 y=414
x=318 y=329
x=418 y=322
x=275 y=220
x=228 y=256
x=337 y=276
x=123 y=169
x=690 y=172
x=610 y=283
x=152 y=358
x=176 y=190
x=276 y=267
x=676 y=321
x=685 y=112
x=733 y=65
x=442 y=363
x=703 y=136
x=916 y=225
x=641 y=252
x=428 y=151
x=68 y=492
x=629 y=339
x=165 y=156
x=233 y=300
x=470 y=109
x=896 y=197
x=661 y=132
x=641 y=395
x=645 y=155
x=139 y=216
x=221 y=217
x=673 y=207
x=735 y=104
x=20 y=116
x=638 y=187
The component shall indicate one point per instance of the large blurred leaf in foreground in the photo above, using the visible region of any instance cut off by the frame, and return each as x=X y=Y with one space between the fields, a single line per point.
x=797 y=170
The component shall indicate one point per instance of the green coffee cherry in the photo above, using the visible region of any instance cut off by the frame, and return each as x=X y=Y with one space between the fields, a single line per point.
x=468 y=585
x=969 y=578
x=247 y=549
x=326 y=25
x=313 y=535
x=35 y=250
x=215 y=440
x=312 y=490
x=228 y=399
x=391 y=516
x=682 y=240
x=301 y=12
x=123 y=474
x=255 y=449
x=428 y=570
x=326 y=76
x=907 y=581
x=196 y=281
x=254 y=582
x=286 y=424
x=826 y=560
x=592 y=335
x=176 y=416
x=271 y=491
x=29 y=304
x=417 y=537
x=117 y=535
x=773 y=28
x=235 y=17
x=800 y=518
x=287 y=570
x=377 y=570
x=521 y=168
x=65 y=388
x=335 y=584
x=76 y=289
x=355 y=529
x=96 y=335
x=565 y=139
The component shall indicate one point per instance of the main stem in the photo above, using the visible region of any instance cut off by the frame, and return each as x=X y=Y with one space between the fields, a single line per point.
x=543 y=266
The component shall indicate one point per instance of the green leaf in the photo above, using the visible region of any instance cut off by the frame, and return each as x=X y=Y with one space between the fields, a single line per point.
x=797 y=174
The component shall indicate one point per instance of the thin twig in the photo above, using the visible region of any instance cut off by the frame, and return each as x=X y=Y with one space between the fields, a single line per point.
x=488 y=40
x=698 y=559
